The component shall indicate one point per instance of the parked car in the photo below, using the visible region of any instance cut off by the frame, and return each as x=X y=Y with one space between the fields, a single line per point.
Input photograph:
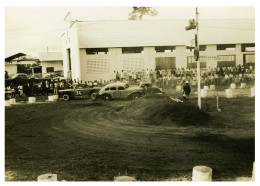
x=20 y=76
x=53 y=76
x=150 y=89
x=120 y=90
x=79 y=92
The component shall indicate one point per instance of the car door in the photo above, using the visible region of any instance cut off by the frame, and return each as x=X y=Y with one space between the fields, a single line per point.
x=77 y=92
x=115 y=93
x=122 y=91
x=84 y=91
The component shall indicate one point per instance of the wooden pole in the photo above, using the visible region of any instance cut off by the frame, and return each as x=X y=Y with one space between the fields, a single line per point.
x=198 y=61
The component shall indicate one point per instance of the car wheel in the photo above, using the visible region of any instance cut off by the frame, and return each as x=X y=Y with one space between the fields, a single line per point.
x=93 y=95
x=135 y=96
x=65 y=97
x=107 y=97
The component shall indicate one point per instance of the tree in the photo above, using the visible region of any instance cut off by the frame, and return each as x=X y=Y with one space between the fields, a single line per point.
x=139 y=12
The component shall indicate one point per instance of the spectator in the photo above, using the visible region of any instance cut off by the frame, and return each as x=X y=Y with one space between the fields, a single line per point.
x=186 y=91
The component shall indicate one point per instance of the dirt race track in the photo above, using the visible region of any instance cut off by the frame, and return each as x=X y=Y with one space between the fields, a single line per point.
x=81 y=140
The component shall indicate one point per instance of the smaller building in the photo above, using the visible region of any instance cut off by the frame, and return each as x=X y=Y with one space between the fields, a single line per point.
x=51 y=62
x=20 y=63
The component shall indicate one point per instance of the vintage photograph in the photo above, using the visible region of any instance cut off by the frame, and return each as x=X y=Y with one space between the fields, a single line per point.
x=129 y=93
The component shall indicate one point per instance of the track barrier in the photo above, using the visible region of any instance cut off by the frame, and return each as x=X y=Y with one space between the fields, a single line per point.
x=124 y=178
x=243 y=85
x=204 y=93
x=233 y=86
x=55 y=97
x=212 y=87
x=47 y=177
x=252 y=90
x=206 y=87
x=51 y=98
x=201 y=173
x=12 y=101
x=229 y=93
x=32 y=99
x=178 y=88
x=7 y=103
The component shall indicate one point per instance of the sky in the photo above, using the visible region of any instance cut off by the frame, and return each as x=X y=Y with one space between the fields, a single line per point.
x=31 y=29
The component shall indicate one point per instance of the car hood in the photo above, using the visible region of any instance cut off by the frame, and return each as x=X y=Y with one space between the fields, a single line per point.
x=135 y=88
x=65 y=90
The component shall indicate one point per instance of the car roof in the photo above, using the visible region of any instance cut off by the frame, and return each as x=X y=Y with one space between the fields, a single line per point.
x=115 y=84
x=145 y=83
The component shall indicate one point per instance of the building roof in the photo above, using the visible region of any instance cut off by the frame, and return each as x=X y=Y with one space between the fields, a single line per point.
x=10 y=58
x=50 y=56
x=21 y=57
x=130 y=33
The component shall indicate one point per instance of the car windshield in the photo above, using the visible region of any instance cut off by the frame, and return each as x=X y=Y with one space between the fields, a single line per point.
x=79 y=86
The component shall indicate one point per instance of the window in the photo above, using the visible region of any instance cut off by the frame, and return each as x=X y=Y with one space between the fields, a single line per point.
x=226 y=47
x=107 y=89
x=203 y=47
x=121 y=88
x=248 y=47
x=191 y=63
x=97 y=66
x=162 y=63
x=91 y=51
x=112 y=88
x=249 y=58
x=189 y=49
x=49 y=69
x=226 y=60
x=129 y=50
x=165 y=49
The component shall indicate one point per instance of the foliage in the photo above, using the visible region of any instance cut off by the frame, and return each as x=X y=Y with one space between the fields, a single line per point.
x=139 y=12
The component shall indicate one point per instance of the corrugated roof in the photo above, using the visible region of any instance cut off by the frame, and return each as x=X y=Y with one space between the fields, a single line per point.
x=10 y=58
x=50 y=56
x=95 y=34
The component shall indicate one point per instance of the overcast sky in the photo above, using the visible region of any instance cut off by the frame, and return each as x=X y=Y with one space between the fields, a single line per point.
x=33 y=29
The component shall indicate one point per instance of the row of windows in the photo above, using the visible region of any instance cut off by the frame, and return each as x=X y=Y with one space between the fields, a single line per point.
x=116 y=88
x=160 y=49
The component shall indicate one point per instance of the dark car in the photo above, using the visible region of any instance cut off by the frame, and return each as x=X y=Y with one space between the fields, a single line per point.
x=79 y=92
x=20 y=76
x=120 y=90
x=150 y=89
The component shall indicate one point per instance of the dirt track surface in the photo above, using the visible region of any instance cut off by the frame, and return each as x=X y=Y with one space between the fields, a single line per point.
x=82 y=140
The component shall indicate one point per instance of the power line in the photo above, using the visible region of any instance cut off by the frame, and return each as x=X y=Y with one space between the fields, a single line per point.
x=33 y=35
x=32 y=27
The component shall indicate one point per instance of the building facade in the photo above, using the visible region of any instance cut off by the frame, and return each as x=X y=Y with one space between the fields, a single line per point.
x=20 y=63
x=51 y=62
x=93 y=50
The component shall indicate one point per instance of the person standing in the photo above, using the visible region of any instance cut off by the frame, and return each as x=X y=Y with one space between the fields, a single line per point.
x=186 y=91
x=55 y=88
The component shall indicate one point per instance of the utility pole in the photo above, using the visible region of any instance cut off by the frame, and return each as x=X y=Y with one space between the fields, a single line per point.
x=195 y=25
x=197 y=58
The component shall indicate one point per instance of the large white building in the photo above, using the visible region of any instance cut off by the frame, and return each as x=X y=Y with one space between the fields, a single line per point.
x=93 y=50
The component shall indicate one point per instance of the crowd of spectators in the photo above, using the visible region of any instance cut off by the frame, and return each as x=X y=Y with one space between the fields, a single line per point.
x=173 y=77
x=166 y=78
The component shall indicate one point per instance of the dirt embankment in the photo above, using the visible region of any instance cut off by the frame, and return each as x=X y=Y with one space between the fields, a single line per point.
x=161 y=109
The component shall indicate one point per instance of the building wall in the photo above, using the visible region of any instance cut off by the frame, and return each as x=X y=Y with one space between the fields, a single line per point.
x=115 y=60
x=70 y=40
x=11 y=69
x=117 y=34
x=56 y=64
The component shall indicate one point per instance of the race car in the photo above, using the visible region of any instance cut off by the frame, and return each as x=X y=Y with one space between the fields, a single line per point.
x=150 y=89
x=79 y=92
x=120 y=90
